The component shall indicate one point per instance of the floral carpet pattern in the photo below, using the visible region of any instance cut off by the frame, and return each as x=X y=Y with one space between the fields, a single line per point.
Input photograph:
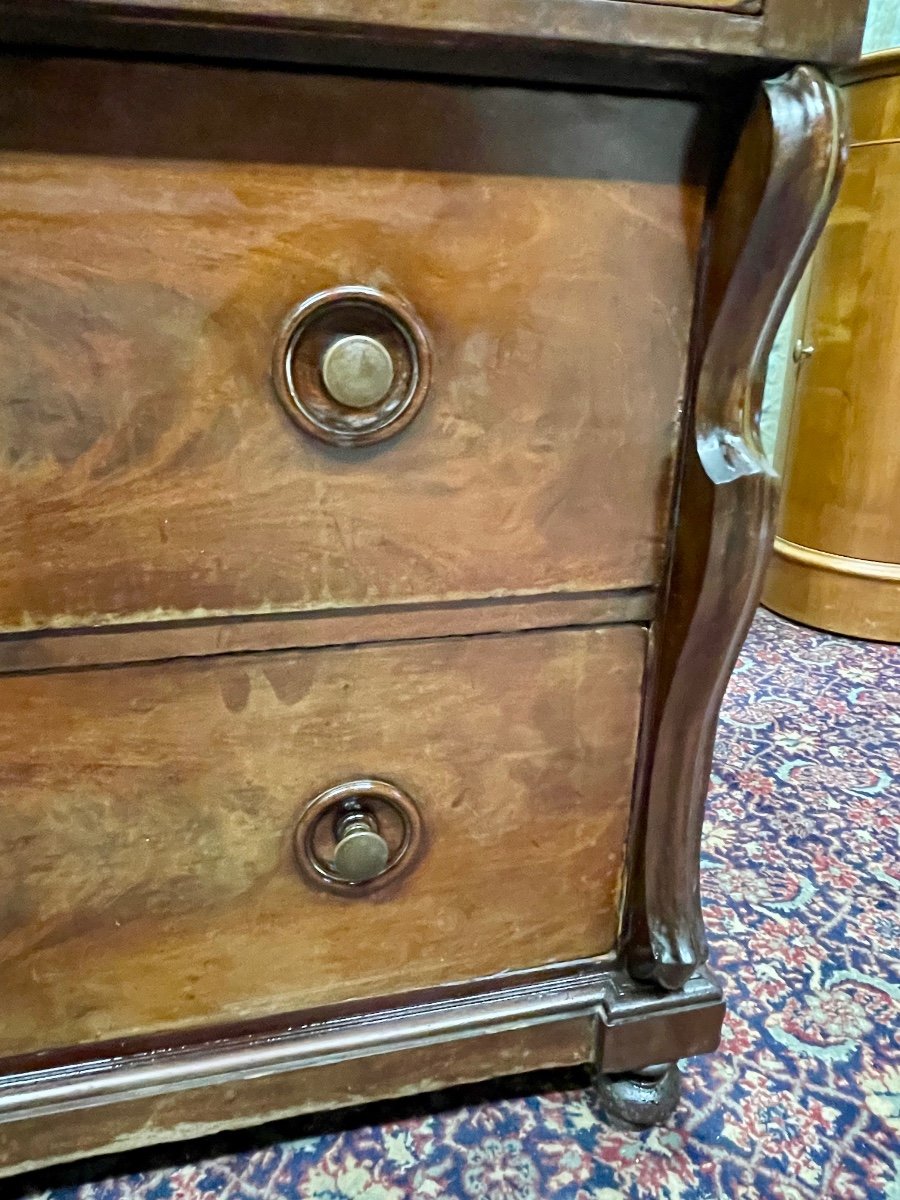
x=801 y=878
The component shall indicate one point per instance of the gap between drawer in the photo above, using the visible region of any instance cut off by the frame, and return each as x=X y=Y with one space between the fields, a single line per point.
x=48 y=650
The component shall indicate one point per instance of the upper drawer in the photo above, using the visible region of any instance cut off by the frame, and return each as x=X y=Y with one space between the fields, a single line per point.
x=546 y=242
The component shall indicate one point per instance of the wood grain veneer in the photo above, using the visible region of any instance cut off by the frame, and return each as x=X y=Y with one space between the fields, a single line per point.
x=207 y=618
x=205 y=1109
x=547 y=241
x=147 y=879
x=587 y=41
x=48 y=650
x=558 y=1016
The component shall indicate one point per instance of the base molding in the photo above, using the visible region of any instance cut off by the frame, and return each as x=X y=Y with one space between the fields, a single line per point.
x=563 y=1016
x=829 y=591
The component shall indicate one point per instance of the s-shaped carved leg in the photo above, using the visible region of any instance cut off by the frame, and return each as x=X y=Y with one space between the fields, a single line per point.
x=771 y=207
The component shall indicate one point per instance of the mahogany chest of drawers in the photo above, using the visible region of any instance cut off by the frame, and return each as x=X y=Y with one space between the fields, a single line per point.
x=383 y=513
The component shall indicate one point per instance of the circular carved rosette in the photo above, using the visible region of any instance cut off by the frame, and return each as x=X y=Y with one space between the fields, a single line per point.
x=351 y=365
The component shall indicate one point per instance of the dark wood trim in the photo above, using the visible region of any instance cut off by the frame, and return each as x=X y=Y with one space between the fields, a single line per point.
x=880 y=65
x=203 y=1110
x=474 y=59
x=631 y=1024
x=50 y=650
x=832 y=32
x=772 y=206
x=406 y=26
x=578 y=41
x=610 y=1021
x=639 y=1025
x=528 y=979
x=318 y=1039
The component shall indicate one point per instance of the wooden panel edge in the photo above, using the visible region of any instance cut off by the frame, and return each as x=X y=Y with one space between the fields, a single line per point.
x=445 y=1015
x=119 y=645
x=747 y=7
x=210 y=1108
x=854 y=605
x=829 y=37
x=563 y=1016
x=564 y=992
x=474 y=37
x=878 y=65
x=640 y=1027
x=838 y=564
x=462 y=40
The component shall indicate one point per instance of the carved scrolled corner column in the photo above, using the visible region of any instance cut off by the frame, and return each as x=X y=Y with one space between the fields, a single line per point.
x=770 y=209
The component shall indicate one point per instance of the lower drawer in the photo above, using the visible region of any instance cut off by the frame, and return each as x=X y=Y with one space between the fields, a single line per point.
x=150 y=872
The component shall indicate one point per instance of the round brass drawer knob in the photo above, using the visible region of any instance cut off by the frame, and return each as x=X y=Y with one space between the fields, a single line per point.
x=357 y=836
x=361 y=853
x=351 y=365
x=357 y=371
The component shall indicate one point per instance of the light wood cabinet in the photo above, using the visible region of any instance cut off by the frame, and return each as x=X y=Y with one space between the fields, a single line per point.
x=836 y=562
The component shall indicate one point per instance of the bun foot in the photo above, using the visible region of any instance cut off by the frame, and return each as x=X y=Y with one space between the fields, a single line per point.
x=637 y=1099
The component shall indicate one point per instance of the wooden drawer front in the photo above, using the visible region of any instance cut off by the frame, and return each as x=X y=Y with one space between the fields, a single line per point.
x=546 y=240
x=147 y=872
